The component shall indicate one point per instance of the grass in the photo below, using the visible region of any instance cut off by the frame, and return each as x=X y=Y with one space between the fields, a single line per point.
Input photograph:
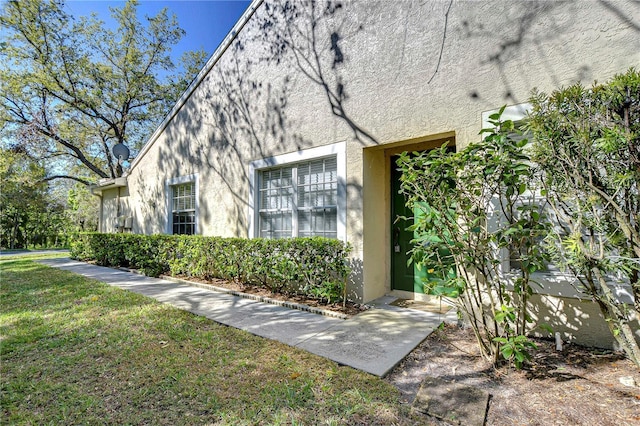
x=74 y=350
x=22 y=255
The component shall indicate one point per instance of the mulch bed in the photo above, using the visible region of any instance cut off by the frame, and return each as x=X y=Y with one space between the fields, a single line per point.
x=349 y=308
x=576 y=386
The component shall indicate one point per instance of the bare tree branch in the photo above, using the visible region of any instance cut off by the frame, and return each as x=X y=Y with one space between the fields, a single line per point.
x=75 y=178
x=444 y=37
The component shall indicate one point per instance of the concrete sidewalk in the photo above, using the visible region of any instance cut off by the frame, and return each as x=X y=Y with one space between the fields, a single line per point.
x=373 y=341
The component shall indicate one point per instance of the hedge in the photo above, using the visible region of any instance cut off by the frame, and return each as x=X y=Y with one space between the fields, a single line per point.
x=315 y=267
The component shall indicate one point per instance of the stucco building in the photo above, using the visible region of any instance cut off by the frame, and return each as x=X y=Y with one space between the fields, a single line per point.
x=292 y=126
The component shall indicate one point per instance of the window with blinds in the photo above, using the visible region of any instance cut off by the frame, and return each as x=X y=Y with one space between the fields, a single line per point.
x=183 y=208
x=299 y=200
x=276 y=203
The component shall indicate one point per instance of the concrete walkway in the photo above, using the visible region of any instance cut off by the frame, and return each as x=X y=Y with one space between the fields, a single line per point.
x=373 y=341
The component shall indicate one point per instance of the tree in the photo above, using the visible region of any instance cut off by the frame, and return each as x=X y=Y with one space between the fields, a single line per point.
x=23 y=193
x=34 y=212
x=72 y=89
x=587 y=143
x=470 y=207
x=82 y=209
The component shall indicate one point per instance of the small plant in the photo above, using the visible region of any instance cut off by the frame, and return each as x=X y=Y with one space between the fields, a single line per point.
x=329 y=291
x=515 y=349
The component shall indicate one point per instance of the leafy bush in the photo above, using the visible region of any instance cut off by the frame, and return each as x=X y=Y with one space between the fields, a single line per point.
x=128 y=250
x=316 y=267
x=587 y=144
x=471 y=205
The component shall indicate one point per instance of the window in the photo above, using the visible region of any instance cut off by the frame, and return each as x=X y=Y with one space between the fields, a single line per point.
x=276 y=203
x=182 y=205
x=528 y=201
x=299 y=200
x=318 y=198
x=549 y=280
x=299 y=194
x=184 y=209
x=531 y=202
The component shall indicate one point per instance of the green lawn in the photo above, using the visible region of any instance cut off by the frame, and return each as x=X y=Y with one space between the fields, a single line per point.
x=76 y=351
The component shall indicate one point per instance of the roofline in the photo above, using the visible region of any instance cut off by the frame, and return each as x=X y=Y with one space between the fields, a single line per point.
x=217 y=54
x=108 y=183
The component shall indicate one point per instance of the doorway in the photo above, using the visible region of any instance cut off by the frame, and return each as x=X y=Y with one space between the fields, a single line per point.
x=405 y=275
x=384 y=269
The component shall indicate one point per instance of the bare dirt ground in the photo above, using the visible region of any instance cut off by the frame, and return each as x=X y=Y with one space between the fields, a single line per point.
x=577 y=386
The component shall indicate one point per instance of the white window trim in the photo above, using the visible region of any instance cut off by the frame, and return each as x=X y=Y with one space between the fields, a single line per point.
x=511 y=112
x=169 y=183
x=338 y=149
x=552 y=282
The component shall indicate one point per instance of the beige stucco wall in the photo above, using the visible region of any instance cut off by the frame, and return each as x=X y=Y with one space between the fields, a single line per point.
x=114 y=203
x=373 y=74
x=578 y=320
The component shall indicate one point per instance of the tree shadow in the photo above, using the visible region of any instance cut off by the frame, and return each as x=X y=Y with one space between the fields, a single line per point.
x=506 y=42
x=313 y=36
x=234 y=119
x=239 y=112
x=535 y=27
x=616 y=10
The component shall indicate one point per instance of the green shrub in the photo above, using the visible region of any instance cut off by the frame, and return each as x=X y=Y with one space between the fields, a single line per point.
x=315 y=267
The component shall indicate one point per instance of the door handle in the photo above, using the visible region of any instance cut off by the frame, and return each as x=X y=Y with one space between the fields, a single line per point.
x=396 y=239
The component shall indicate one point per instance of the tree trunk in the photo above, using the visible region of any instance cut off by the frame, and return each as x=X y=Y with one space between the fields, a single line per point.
x=616 y=320
x=626 y=339
x=14 y=232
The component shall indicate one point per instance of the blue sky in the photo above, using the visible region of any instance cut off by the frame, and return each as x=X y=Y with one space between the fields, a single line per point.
x=206 y=22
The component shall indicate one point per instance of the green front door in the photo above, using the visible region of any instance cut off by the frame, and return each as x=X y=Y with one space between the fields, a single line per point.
x=404 y=276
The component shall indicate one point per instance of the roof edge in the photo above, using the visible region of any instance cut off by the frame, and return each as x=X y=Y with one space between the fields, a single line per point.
x=215 y=57
x=108 y=183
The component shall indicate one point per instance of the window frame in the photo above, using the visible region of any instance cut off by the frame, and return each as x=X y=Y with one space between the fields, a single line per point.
x=169 y=188
x=552 y=281
x=336 y=150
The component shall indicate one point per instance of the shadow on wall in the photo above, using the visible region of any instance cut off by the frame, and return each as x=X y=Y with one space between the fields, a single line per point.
x=151 y=206
x=354 y=284
x=528 y=17
x=507 y=41
x=310 y=34
x=231 y=120
x=242 y=110
x=576 y=320
x=237 y=115
x=621 y=14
